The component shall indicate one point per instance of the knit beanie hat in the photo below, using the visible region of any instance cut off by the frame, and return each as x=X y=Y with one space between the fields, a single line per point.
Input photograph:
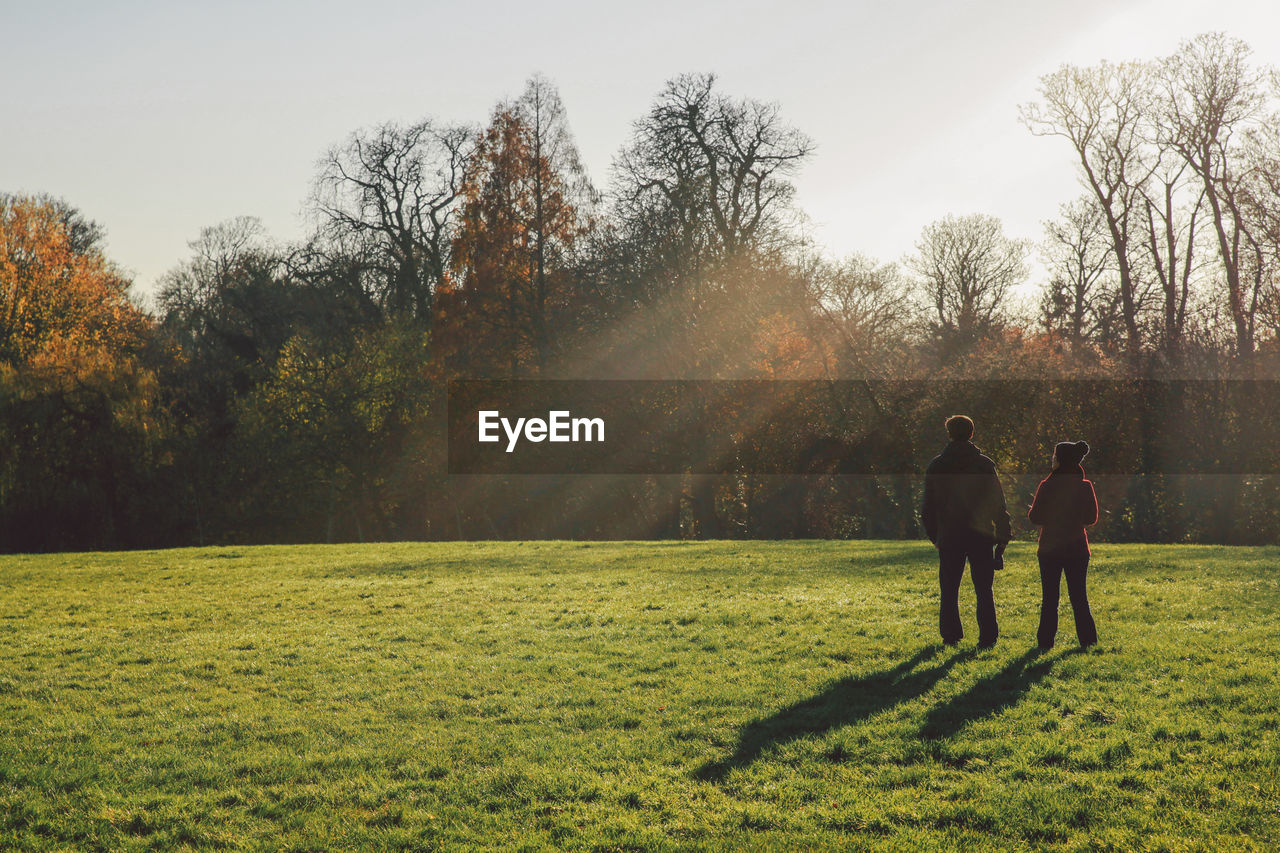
x=1071 y=453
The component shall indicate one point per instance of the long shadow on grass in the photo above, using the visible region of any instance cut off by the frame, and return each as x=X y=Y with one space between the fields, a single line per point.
x=845 y=702
x=987 y=697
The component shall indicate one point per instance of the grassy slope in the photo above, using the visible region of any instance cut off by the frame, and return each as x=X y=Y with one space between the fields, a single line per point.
x=630 y=695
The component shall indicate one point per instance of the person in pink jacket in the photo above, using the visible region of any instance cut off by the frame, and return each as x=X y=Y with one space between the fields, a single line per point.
x=1064 y=505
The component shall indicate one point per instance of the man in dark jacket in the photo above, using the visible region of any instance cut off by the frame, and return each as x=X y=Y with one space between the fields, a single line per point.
x=965 y=516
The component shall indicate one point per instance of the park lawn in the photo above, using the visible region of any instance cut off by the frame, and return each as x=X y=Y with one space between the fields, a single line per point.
x=630 y=696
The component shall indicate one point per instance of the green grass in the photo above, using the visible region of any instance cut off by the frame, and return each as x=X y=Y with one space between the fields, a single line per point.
x=630 y=696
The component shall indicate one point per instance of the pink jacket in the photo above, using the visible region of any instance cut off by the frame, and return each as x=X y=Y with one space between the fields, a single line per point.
x=1064 y=505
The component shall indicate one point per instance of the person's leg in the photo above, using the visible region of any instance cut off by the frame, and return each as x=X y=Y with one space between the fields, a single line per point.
x=1050 y=583
x=982 y=566
x=1076 y=570
x=950 y=571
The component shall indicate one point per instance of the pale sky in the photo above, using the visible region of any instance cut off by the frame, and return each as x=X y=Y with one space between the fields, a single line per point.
x=160 y=118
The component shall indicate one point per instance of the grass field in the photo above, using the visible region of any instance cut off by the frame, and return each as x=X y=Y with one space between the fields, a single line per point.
x=630 y=696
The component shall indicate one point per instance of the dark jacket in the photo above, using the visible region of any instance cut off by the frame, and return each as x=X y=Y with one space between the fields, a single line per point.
x=1064 y=505
x=963 y=498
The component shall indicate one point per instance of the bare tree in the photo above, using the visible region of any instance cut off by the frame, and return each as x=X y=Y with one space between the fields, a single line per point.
x=1100 y=111
x=1172 y=204
x=703 y=225
x=713 y=167
x=1211 y=97
x=967 y=267
x=865 y=305
x=200 y=296
x=397 y=185
x=1081 y=300
x=1260 y=200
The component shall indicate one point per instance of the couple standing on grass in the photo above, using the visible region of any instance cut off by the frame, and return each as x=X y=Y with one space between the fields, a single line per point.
x=964 y=515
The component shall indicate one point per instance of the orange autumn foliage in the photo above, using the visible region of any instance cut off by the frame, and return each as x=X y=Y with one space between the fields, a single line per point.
x=58 y=303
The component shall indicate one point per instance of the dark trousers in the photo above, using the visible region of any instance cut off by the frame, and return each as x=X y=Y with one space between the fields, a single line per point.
x=982 y=569
x=1075 y=565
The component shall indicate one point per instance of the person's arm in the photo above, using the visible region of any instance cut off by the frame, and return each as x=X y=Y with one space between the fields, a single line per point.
x=1035 y=515
x=1004 y=527
x=1089 y=504
x=929 y=508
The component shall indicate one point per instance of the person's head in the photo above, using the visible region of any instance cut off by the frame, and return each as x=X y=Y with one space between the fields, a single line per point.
x=959 y=427
x=1069 y=454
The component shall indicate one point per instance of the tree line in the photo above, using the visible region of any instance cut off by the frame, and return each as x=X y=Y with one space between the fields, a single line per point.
x=295 y=392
